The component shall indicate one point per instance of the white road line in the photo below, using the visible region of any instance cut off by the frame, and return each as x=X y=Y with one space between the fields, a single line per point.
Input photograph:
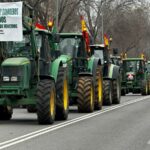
x=64 y=124
x=148 y=142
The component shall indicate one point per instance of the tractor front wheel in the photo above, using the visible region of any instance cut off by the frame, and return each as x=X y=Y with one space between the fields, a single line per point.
x=62 y=102
x=107 y=92
x=116 y=91
x=6 y=112
x=85 y=97
x=46 y=101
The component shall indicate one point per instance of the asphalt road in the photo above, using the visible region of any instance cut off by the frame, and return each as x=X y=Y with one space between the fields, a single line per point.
x=119 y=127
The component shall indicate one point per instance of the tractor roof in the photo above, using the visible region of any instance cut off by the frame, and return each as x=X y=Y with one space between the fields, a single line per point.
x=132 y=59
x=70 y=34
x=43 y=30
x=98 y=45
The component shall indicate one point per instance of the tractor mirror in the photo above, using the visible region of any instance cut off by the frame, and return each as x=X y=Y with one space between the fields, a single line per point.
x=56 y=38
x=115 y=51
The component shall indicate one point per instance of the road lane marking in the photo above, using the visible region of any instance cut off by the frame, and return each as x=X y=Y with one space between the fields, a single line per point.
x=64 y=124
x=148 y=142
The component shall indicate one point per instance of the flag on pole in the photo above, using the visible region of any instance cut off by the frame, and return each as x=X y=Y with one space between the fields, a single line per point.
x=106 y=40
x=85 y=34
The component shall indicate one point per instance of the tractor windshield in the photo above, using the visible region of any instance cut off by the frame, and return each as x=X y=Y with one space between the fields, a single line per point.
x=20 y=48
x=69 y=46
x=99 y=54
x=134 y=66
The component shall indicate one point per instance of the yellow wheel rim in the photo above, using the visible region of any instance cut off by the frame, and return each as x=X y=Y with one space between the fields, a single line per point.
x=100 y=92
x=65 y=95
x=52 y=103
x=91 y=96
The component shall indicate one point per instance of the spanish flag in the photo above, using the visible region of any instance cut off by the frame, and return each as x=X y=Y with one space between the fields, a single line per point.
x=106 y=40
x=85 y=34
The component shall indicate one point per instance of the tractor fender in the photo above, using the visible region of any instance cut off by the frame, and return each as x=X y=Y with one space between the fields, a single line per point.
x=56 y=64
x=54 y=68
x=42 y=77
x=114 y=71
x=81 y=74
x=92 y=65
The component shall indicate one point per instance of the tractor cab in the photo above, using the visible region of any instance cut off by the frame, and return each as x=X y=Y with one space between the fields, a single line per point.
x=134 y=76
x=72 y=45
x=133 y=67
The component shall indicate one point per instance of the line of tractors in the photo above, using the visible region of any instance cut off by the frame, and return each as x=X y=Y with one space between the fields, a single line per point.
x=49 y=71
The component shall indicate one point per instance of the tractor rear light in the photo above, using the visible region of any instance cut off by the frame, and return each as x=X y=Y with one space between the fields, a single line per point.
x=6 y=79
x=14 y=79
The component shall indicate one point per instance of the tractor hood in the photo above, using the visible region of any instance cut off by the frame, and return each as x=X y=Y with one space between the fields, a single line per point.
x=16 y=61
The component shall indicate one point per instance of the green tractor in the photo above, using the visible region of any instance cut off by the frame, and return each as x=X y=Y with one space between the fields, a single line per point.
x=111 y=75
x=85 y=76
x=32 y=76
x=134 y=76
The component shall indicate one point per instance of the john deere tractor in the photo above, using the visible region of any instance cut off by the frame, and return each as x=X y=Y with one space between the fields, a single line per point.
x=85 y=76
x=111 y=75
x=134 y=76
x=32 y=76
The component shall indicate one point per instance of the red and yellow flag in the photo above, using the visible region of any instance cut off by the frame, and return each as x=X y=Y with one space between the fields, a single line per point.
x=39 y=26
x=106 y=40
x=85 y=33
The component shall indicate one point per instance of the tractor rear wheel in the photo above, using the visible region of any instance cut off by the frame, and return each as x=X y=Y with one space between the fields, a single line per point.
x=85 y=97
x=6 y=112
x=31 y=108
x=116 y=91
x=46 y=101
x=107 y=92
x=144 y=88
x=62 y=102
x=98 y=90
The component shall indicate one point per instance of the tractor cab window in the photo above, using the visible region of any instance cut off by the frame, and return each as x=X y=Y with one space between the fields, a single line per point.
x=99 y=54
x=134 y=66
x=20 y=47
x=71 y=46
x=148 y=67
x=67 y=46
x=43 y=46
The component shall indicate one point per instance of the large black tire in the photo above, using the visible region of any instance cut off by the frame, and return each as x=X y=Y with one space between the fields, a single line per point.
x=46 y=101
x=6 y=112
x=107 y=92
x=116 y=91
x=85 y=97
x=31 y=108
x=62 y=102
x=144 y=88
x=98 y=90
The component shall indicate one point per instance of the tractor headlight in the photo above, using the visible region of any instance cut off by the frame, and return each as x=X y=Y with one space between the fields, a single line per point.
x=14 y=79
x=5 y=79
